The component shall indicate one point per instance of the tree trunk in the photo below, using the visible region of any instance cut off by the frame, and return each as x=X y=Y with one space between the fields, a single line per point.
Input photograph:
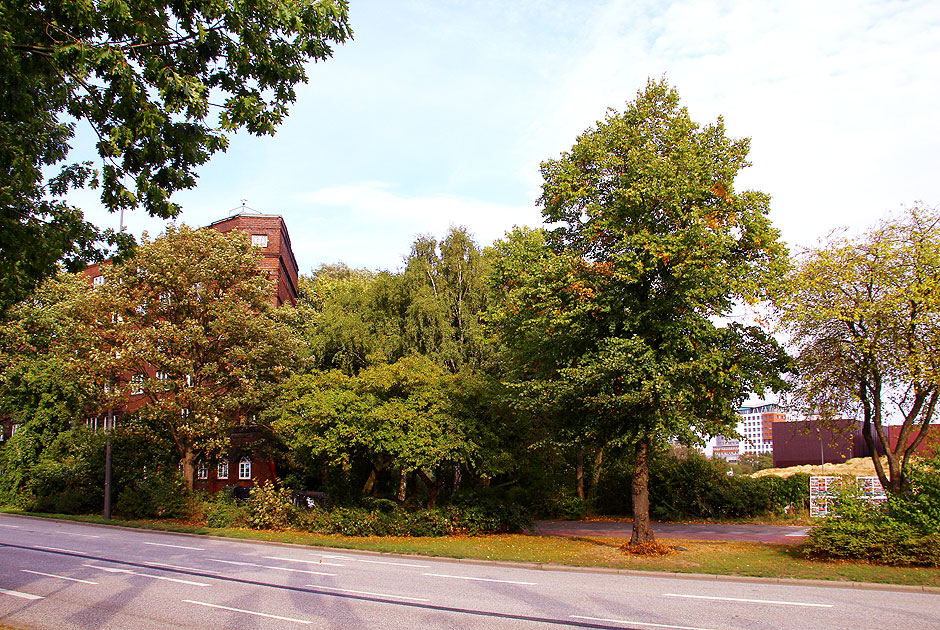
x=189 y=467
x=403 y=486
x=458 y=478
x=433 y=486
x=598 y=463
x=370 y=482
x=579 y=474
x=642 y=532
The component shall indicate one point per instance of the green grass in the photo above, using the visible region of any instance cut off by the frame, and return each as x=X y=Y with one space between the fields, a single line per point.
x=719 y=558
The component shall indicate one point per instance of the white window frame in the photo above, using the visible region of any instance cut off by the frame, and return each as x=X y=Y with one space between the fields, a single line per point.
x=202 y=471
x=98 y=281
x=222 y=470
x=137 y=384
x=244 y=468
x=259 y=240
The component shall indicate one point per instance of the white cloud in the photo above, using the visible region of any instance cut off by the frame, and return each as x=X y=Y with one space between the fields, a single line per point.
x=370 y=224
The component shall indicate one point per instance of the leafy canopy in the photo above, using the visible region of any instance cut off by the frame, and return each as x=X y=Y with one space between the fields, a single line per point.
x=202 y=344
x=612 y=323
x=159 y=82
x=864 y=316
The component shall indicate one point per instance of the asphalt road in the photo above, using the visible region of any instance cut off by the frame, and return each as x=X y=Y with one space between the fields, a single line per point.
x=785 y=534
x=61 y=576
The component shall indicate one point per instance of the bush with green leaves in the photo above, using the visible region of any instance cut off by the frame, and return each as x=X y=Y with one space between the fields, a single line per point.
x=222 y=510
x=905 y=530
x=159 y=494
x=270 y=507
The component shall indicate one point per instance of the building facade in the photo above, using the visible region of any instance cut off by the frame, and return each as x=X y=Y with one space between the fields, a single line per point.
x=757 y=427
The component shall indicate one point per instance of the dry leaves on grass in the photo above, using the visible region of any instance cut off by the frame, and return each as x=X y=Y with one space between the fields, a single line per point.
x=646 y=549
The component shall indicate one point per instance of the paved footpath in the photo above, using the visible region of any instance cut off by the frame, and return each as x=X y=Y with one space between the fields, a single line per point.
x=785 y=534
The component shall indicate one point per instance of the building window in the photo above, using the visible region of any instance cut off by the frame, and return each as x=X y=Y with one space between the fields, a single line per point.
x=98 y=281
x=244 y=468
x=259 y=240
x=222 y=472
x=184 y=412
x=137 y=384
x=202 y=471
x=13 y=429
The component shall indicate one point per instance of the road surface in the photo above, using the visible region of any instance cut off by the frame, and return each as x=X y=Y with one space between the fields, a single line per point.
x=63 y=576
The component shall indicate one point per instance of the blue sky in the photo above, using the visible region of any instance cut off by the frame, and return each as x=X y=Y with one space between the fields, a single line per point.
x=439 y=112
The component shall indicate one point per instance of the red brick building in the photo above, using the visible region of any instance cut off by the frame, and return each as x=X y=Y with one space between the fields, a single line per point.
x=269 y=232
x=247 y=462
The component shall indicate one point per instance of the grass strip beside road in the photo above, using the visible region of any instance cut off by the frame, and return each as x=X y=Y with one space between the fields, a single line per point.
x=703 y=557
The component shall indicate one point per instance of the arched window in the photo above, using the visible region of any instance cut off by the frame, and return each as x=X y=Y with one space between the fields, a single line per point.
x=222 y=472
x=244 y=468
x=202 y=471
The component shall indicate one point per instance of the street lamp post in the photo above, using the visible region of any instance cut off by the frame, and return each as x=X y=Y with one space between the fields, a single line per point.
x=107 y=464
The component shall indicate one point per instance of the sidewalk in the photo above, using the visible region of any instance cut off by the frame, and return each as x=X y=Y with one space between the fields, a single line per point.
x=784 y=534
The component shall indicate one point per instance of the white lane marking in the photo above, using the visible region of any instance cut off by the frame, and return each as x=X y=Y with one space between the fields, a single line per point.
x=80 y=553
x=247 y=612
x=13 y=526
x=349 y=590
x=146 y=575
x=638 y=623
x=174 y=546
x=265 y=566
x=397 y=564
x=749 y=601
x=329 y=564
x=477 y=579
x=77 y=534
x=4 y=591
x=61 y=577
x=175 y=566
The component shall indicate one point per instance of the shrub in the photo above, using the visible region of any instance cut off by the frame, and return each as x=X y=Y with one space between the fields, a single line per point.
x=903 y=531
x=162 y=494
x=222 y=510
x=270 y=507
x=470 y=520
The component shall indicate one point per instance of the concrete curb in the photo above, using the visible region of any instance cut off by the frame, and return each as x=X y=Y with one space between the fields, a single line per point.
x=535 y=566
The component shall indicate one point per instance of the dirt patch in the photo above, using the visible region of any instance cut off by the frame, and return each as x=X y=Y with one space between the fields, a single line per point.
x=858 y=467
x=646 y=549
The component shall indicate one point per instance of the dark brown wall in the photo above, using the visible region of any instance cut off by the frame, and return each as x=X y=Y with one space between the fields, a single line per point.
x=798 y=443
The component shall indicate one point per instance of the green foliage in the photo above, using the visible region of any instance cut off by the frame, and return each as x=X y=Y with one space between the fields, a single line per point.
x=609 y=322
x=141 y=75
x=695 y=487
x=159 y=494
x=904 y=531
x=221 y=510
x=67 y=476
x=194 y=322
x=404 y=415
x=862 y=314
x=453 y=520
x=270 y=507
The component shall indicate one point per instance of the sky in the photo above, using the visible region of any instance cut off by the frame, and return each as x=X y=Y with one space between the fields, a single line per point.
x=438 y=113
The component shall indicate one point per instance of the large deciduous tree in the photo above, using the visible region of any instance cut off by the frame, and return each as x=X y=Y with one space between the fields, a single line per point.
x=199 y=335
x=650 y=246
x=864 y=316
x=160 y=83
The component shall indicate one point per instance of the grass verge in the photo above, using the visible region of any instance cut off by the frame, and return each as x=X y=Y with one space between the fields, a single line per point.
x=717 y=558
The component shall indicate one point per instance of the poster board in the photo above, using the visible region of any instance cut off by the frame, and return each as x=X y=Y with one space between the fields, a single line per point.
x=822 y=490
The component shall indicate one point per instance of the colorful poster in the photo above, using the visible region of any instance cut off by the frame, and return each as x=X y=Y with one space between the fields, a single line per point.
x=822 y=490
